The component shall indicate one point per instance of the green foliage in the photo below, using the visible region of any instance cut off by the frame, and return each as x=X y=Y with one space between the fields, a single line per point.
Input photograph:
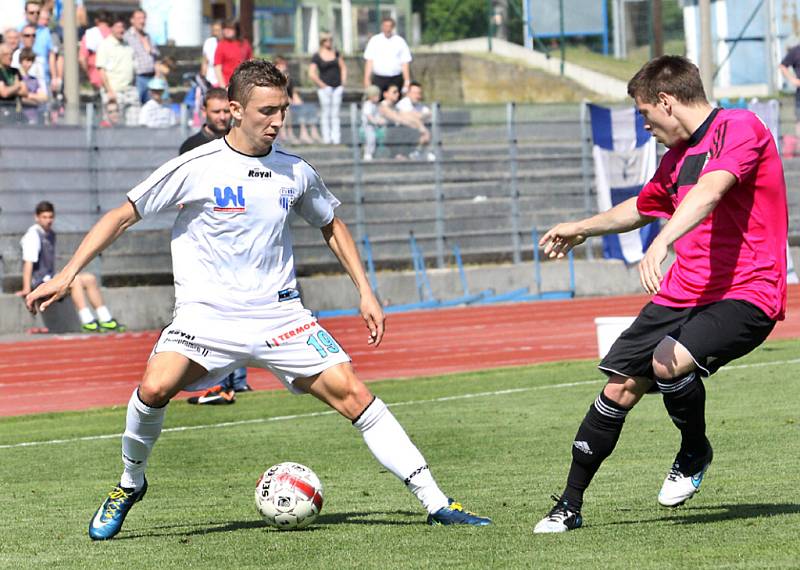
x=498 y=441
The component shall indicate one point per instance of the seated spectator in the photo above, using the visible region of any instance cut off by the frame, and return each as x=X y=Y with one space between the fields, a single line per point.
x=34 y=104
x=12 y=89
x=39 y=265
x=112 y=116
x=408 y=127
x=413 y=103
x=372 y=120
x=305 y=113
x=157 y=112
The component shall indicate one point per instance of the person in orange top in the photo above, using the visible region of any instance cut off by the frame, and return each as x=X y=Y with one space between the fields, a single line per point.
x=231 y=51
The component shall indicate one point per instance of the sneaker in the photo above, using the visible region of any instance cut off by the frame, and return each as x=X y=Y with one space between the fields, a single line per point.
x=561 y=518
x=214 y=397
x=684 y=478
x=91 y=327
x=112 y=326
x=108 y=519
x=245 y=388
x=454 y=513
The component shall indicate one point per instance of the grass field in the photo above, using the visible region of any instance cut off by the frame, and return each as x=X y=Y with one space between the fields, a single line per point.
x=499 y=441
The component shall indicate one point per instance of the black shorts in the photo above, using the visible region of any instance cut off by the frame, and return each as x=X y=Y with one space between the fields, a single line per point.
x=713 y=334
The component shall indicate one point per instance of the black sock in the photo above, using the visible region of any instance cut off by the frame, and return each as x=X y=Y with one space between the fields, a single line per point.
x=685 y=400
x=596 y=438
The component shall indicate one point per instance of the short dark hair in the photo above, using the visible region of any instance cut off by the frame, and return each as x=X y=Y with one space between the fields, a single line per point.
x=44 y=206
x=215 y=93
x=26 y=54
x=253 y=73
x=102 y=16
x=671 y=74
x=415 y=84
x=119 y=18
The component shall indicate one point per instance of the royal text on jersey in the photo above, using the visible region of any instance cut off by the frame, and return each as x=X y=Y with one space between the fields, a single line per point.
x=229 y=200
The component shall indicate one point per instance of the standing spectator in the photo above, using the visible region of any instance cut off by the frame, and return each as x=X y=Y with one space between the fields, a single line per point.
x=28 y=36
x=373 y=122
x=43 y=41
x=207 y=69
x=144 y=52
x=230 y=52
x=34 y=103
x=217 y=115
x=115 y=63
x=11 y=88
x=90 y=42
x=156 y=113
x=11 y=39
x=56 y=84
x=387 y=57
x=39 y=265
x=329 y=72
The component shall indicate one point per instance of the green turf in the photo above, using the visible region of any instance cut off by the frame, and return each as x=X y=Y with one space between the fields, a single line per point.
x=501 y=455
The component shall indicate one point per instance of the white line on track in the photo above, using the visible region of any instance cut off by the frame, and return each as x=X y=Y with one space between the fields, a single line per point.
x=394 y=405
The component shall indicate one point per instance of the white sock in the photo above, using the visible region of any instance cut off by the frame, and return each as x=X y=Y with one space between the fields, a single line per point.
x=103 y=314
x=388 y=442
x=142 y=428
x=86 y=315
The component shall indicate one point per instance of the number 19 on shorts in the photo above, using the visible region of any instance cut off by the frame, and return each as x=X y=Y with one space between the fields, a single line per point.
x=323 y=343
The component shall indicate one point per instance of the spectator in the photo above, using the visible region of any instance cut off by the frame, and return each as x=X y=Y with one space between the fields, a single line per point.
x=230 y=52
x=112 y=116
x=57 y=7
x=11 y=39
x=39 y=265
x=156 y=113
x=207 y=69
x=144 y=52
x=90 y=42
x=28 y=36
x=56 y=58
x=413 y=103
x=399 y=136
x=373 y=122
x=387 y=57
x=12 y=89
x=329 y=72
x=115 y=63
x=304 y=113
x=43 y=40
x=217 y=115
x=34 y=103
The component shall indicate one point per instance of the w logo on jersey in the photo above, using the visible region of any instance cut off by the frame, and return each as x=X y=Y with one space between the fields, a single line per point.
x=228 y=200
x=287 y=198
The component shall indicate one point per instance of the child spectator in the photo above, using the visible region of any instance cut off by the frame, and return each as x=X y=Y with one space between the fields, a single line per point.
x=34 y=103
x=372 y=121
x=157 y=113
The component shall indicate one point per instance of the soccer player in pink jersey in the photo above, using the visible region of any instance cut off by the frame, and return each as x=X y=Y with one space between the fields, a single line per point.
x=721 y=189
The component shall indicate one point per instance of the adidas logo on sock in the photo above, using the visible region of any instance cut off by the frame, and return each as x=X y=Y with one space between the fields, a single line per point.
x=583 y=447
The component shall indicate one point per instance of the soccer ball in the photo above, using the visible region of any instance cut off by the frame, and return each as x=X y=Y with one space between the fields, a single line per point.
x=289 y=496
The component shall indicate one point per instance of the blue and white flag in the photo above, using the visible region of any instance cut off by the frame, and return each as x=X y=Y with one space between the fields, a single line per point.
x=624 y=161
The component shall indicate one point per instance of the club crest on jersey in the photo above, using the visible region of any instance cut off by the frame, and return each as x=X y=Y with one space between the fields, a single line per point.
x=287 y=198
x=229 y=200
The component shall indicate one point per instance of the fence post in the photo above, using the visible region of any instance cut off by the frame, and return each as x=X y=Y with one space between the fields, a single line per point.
x=96 y=265
x=358 y=188
x=513 y=186
x=586 y=174
x=184 y=121
x=438 y=175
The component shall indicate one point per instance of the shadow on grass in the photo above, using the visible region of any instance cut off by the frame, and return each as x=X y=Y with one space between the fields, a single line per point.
x=719 y=513
x=368 y=518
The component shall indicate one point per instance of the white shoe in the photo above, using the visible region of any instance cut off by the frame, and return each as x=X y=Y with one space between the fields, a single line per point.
x=679 y=487
x=560 y=519
x=367 y=157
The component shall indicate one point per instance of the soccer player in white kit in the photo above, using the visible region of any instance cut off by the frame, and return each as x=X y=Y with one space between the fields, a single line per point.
x=235 y=297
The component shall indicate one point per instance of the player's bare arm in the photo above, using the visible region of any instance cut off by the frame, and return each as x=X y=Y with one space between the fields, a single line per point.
x=623 y=217
x=103 y=233
x=339 y=239
x=693 y=209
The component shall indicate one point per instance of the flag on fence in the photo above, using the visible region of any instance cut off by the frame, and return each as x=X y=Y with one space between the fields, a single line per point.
x=624 y=161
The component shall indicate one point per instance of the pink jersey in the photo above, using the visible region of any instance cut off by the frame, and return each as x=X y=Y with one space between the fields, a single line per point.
x=739 y=250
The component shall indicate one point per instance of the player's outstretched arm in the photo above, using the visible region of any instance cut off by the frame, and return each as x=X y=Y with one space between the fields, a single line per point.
x=102 y=234
x=693 y=209
x=338 y=238
x=624 y=217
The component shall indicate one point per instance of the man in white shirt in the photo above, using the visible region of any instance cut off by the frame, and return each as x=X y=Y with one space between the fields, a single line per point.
x=209 y=49
x=413 y=103
x=387 y=57
x=236 y=297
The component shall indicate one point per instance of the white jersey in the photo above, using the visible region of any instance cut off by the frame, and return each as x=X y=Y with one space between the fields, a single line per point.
x=231 y=241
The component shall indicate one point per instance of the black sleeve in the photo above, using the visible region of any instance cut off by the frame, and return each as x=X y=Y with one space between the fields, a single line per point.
x=316 y=59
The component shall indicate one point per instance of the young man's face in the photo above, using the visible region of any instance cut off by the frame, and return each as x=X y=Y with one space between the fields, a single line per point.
x=218 y=116
x=415 y=94
x=32 y=13
x=45 y=220
x=138 y=20
x=262 y=118
x=658 y=121
x=387 y=27
x=118 y=30
x=216 y=30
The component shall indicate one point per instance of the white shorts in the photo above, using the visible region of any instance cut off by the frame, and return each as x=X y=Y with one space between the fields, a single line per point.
x=286 y=340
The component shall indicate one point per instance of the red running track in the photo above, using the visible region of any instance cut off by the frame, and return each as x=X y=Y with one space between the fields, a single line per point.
x=85 y=371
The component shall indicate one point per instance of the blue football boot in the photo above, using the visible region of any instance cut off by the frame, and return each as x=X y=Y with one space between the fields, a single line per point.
x=108 y=519
x=454 y=513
